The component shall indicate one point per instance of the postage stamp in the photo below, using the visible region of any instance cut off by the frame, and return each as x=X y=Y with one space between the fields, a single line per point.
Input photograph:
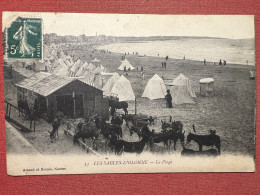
x=24 y=38
x=122 y=93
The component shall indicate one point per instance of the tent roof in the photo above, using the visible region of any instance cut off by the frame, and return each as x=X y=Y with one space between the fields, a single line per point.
x=96 y=71
x=80 y=71
x=75 y=66
x=181 y=80
x=61 y=62
x=126 y=64
x=110 y=83
x=85 y=65
x=123 y=89
x=91 y=67
x=95 y=60
x=155 y=88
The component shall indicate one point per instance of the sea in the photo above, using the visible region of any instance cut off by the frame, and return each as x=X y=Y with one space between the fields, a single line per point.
x=233 y=51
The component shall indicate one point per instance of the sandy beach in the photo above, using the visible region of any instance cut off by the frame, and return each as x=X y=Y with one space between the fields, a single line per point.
x=230 y=112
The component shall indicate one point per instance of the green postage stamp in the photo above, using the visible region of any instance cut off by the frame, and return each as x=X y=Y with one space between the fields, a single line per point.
x=24 y=38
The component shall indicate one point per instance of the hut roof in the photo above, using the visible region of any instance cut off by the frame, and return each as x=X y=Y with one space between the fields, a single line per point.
x=45 y=83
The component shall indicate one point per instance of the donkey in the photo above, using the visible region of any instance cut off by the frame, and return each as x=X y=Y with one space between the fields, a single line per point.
x=118 y=105
x=206 y=140
x=131 y=147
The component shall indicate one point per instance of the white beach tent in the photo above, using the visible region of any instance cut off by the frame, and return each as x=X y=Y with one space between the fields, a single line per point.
x=95 y=60
x=155 y=88
x=126 y=64
x=181 y=90
x=123 y=89
x=91 y=67
x=109 y=84
x=103 y=69
x=85 y=65
x=61 y=69
x=81 y=71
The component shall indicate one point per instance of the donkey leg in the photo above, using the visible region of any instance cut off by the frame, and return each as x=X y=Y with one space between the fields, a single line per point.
x=218 y=147
x=174 y=142
x=200 y=148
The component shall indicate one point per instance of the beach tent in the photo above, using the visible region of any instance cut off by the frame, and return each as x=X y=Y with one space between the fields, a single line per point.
x=126 y=65
x=98 y=81
x=123 y=89
x=155 y=88
x=181 y=90
x=96 y=71
x=60 y=69
x=95 y=60
x=68 y=63
x=74 y=69
x=103 y=69
x=82 y=69
x=62 y=62
x=88 y=75
x=80 y=72
x=91 y=67
x=85 y=65
x=110 y=83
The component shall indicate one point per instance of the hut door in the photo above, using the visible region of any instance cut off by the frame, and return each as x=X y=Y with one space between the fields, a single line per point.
x=42 y=104
x=69 y=106
x=60 y=103
x=79 y=105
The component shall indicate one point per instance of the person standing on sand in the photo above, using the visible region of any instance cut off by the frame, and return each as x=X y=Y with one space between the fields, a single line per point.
x=220 y=62
x=184 y=57
x=204 y=62
x=224 y=62
x=142 y=75
x=168 y=99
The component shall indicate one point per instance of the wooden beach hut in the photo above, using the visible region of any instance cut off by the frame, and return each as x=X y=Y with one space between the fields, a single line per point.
x=70 y=96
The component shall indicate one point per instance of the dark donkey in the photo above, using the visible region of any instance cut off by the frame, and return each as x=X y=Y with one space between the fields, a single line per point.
x=118 y=105
x=106 y=128
x=141 y=131
x=206 y=140
x=131 y=147
x=174 y=132
x=85 y=131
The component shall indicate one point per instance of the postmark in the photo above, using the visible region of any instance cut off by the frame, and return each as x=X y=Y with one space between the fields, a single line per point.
x=24 y=39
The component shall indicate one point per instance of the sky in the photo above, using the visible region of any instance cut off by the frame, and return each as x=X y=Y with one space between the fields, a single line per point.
x=224 y=26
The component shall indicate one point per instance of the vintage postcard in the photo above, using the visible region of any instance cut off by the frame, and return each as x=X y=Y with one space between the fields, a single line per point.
x=121 y=93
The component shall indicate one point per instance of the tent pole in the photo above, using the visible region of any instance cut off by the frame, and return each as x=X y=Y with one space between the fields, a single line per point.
x=135 y=107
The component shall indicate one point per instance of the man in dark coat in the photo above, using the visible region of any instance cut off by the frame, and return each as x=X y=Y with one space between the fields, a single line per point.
x=168 y=99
